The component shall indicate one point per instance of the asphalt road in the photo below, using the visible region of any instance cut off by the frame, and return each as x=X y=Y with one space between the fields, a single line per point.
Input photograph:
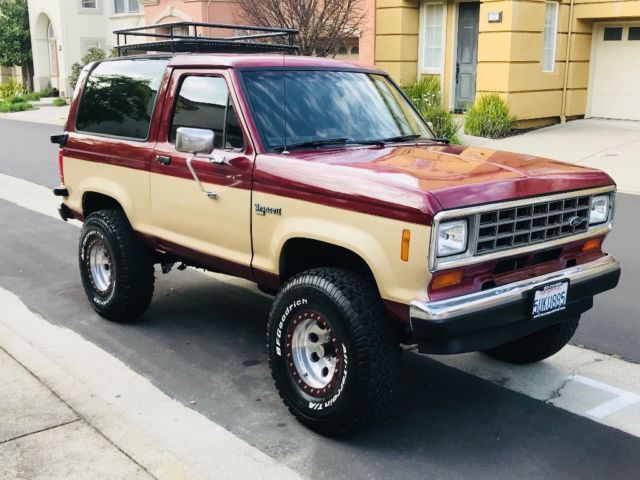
x=203 y=340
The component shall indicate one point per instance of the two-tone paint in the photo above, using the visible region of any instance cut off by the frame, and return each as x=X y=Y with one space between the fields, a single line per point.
x=358 y=198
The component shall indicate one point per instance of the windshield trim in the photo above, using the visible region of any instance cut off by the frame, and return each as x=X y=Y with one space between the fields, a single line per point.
x=369 y=71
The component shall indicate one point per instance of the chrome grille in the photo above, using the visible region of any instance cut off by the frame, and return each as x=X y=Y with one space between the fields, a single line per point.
x=528 y=224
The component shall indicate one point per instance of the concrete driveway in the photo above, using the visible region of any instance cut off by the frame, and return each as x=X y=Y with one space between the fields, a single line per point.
x=610 y=145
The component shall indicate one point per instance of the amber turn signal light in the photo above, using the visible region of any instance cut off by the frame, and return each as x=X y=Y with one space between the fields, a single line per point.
x=592 y=244
x=404 y=248
x=446 y=280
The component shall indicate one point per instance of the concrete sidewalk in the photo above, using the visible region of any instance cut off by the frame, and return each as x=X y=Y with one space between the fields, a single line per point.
x=41 y=437
x=69 y=410
x=610 y=145
x=44 y=112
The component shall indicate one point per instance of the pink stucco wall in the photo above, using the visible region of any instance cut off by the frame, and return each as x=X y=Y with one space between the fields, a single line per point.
x=226 y=11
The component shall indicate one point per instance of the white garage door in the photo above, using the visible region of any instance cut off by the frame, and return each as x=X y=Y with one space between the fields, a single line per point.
x=614 y=90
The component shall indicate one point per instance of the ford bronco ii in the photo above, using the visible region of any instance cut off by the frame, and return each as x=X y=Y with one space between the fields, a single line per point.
x=318 y=180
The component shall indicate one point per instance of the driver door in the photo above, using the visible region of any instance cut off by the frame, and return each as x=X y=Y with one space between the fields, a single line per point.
x=203 y=213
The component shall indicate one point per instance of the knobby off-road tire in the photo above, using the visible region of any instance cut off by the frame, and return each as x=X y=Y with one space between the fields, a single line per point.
x=536 y=346
x=330 y=324
x=117 y=271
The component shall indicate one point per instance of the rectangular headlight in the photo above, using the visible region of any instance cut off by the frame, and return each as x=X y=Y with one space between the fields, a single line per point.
x=599 y=209
x=452 y=238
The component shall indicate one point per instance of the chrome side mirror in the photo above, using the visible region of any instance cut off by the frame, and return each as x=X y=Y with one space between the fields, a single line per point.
x=194 y=140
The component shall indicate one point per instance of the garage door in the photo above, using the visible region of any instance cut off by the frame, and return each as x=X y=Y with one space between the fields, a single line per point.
x=614 y=89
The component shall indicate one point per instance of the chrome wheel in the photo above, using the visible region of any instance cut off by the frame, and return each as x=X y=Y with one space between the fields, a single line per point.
x=100 y=266
x=314 y=353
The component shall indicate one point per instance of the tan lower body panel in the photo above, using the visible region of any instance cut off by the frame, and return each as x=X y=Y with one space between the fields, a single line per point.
x=377 y=240
x=175 y=210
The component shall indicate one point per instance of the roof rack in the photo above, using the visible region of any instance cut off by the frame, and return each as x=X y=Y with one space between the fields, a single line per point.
x=183 y=37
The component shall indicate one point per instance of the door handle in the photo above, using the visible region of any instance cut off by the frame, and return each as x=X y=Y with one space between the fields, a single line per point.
x=458 y=72
x=163 y=159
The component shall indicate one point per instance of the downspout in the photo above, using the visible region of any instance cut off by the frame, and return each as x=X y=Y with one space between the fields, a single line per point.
x=208 y=8
x=563 y=109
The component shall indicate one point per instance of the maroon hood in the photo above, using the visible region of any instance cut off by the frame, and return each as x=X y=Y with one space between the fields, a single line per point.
x=426 y=178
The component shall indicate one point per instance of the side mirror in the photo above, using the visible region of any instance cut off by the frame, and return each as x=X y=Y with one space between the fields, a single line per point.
x=194 y=140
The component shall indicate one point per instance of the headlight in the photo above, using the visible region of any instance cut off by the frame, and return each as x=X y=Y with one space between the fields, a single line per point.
x=599 y=209
x=452 y=238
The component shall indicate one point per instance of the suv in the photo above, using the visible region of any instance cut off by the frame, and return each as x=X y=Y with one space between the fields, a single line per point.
x=319 y=181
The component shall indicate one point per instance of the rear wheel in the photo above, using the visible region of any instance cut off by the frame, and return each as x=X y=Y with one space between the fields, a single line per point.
x=332 y=350
x=116 y=270
x=538 y=345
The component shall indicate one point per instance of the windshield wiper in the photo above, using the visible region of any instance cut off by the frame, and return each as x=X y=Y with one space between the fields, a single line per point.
x=311 y=143
x=402 y=138
x=405 y=138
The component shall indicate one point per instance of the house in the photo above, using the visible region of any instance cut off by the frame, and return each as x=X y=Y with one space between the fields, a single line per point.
x=360 y=49
x=548 y=59
x=63 y=31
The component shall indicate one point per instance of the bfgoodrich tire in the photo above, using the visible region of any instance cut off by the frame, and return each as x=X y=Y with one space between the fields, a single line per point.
x=536 y=346
x=332 y=350
x=116 y=270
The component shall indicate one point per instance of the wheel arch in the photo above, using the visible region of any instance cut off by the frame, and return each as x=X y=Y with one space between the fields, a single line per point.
x=293 y=260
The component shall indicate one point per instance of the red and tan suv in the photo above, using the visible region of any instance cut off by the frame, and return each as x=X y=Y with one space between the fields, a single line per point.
x=319 y=181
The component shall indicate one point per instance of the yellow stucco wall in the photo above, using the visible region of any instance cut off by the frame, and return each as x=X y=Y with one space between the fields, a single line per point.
x=509 y=52
x=397 y=29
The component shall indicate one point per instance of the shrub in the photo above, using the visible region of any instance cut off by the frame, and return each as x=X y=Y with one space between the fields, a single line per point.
x=59 y=102
x=425 y=96
x=489 y=117
x=6 y=107
x=33 y=96
x=15 y=99
x=49 y=91
x=93 y=55
x=12 y=89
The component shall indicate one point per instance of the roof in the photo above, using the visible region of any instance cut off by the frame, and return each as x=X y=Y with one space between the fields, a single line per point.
x=264 y=61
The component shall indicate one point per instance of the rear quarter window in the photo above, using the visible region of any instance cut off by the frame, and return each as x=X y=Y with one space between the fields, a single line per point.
x=119 y=97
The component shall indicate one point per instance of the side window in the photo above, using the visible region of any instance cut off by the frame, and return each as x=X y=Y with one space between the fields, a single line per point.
x=203 y=102
x=119 y=97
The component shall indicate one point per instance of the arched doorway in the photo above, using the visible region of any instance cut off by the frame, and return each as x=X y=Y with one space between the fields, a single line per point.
x=46 y=60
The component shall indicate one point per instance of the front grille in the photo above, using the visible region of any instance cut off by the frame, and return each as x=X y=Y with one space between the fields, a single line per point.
x=528 y=224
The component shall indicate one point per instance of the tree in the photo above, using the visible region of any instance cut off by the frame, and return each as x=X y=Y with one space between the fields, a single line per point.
x=15 y=38
x=324 y=25
x=93 y=55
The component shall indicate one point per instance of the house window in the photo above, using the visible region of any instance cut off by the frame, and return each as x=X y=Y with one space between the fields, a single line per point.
x=634 y=33
x=53 y=50
x=612 y=34
x=550 y=34
x=355 y=51
x=125 y=6
x=89 y=4
x=89 y=43
x=432 y=37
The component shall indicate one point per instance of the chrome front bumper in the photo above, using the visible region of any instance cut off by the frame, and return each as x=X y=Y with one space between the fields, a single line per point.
x=512 y=293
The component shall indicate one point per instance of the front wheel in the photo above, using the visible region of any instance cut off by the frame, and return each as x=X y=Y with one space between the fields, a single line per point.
x=538 y=345
x=332 y=350
x=116 y=270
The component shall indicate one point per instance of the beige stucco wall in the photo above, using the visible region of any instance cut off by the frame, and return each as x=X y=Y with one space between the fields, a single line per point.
x=509 y=52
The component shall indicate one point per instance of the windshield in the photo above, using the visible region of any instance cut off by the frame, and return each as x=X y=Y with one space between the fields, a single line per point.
x=325 y=105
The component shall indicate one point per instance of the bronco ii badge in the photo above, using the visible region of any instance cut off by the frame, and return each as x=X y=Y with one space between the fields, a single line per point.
x=262 y=210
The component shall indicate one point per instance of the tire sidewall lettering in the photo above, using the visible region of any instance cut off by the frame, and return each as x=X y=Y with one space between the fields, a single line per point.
x=284 y=317
x=88 y=237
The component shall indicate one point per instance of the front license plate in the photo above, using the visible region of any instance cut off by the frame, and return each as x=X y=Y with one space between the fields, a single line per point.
x=550 y=298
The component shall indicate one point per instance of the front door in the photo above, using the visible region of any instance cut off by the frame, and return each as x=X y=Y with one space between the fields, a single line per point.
x=467 y=54
x=201 y=205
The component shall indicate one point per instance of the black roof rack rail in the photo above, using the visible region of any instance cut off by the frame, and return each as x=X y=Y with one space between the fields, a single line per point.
x=172 y=38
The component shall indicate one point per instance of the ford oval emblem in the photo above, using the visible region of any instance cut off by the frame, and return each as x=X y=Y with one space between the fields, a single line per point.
x=575 y=221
